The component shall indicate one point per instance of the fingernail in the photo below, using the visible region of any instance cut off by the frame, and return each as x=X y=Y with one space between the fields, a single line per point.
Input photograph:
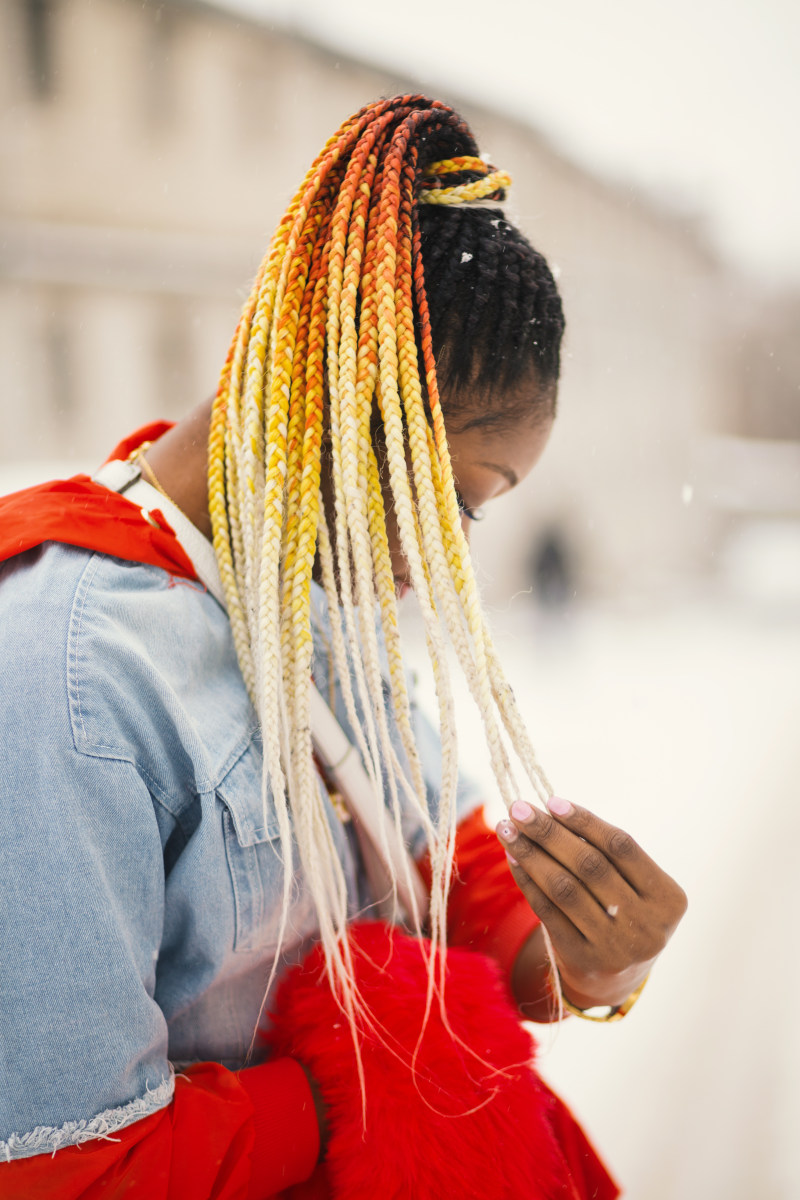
x=521 y=811
x=559 y=807
x=506 y=831
x=511 y=859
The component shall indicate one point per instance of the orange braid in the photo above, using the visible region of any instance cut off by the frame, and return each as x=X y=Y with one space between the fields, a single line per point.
x=334 y=338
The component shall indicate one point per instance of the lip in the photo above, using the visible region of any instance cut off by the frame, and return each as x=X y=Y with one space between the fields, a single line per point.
x=401 y=586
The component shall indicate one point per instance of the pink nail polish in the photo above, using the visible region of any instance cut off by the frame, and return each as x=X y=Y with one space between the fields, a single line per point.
x=559 y=807
x=511 y=859
x=506 y=831
x=521 y=811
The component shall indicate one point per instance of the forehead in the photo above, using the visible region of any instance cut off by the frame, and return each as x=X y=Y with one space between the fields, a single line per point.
x=509 y=451
x=500 y=410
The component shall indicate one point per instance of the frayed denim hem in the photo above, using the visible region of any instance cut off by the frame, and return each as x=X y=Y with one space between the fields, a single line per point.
x=48 y=1139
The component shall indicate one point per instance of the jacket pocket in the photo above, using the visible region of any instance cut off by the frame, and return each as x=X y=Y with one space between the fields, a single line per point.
x=252 y=848
x=255 y=862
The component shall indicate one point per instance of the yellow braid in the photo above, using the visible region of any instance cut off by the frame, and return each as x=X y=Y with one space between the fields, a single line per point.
x=327 y=348
x=491 y=184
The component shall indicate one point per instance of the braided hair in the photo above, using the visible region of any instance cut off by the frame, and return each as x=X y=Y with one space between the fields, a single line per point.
x=496 y=316
x=385 y=280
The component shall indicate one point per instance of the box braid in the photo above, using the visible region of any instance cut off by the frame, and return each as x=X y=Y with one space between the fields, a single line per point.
x=388 y=286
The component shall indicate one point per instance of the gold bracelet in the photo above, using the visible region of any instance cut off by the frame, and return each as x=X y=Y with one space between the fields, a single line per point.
x=615 y=1013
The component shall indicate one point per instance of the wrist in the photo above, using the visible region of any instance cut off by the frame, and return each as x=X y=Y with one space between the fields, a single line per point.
x=596 y=989
x=532 y=981
x=594 y=1010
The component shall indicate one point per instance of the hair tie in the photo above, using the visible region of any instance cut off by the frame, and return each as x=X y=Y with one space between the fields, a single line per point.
x=492 y=185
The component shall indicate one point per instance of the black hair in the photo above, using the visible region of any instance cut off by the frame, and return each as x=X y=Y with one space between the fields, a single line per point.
x=495 y=312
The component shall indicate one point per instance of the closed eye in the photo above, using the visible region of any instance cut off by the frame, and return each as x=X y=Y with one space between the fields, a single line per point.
x=472 y=514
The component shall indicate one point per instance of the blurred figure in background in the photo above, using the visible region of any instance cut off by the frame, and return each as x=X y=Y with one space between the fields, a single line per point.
x=551 y=571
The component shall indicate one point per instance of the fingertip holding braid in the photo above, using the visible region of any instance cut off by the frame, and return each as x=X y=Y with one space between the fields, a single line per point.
x=388 y=289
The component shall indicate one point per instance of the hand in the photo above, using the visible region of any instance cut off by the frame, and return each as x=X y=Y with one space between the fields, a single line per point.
x=608 y=908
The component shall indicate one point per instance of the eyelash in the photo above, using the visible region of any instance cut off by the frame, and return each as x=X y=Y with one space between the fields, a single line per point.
x=472 y=514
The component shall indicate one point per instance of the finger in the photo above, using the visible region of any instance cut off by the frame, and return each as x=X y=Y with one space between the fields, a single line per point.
x=632 y=863
x=565 y=935
x=584 y=860
x=561 y=890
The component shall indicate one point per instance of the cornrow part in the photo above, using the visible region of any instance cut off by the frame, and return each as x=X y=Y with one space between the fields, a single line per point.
x=383 y=293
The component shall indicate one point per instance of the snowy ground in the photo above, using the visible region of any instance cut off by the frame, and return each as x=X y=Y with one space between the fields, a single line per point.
x=681 y=727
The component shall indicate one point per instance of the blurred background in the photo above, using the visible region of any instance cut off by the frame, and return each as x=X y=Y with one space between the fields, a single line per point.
x=645 y=581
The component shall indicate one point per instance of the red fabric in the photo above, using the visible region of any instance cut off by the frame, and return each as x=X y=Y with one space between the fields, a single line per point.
x=472 y=1119
x=285 y=1127
x=589 y=1175
x=486 y=911
x=147 y=433
x=81 y=513
x=202 y=1146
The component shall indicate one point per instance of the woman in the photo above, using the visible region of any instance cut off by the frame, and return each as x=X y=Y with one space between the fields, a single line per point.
x=176 y=842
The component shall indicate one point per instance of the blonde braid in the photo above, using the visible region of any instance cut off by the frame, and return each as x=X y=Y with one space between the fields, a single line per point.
x=356 y=384
x=339 y=305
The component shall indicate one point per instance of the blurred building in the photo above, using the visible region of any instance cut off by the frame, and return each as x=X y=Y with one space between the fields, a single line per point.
x=146 y=151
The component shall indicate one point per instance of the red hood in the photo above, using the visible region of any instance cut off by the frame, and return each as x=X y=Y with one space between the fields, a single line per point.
x=79 y=512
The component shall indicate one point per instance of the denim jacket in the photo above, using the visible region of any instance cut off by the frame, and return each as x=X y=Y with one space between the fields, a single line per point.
x=140 y=885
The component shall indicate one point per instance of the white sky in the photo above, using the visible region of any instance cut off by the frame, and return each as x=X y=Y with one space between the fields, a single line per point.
x=697 y=100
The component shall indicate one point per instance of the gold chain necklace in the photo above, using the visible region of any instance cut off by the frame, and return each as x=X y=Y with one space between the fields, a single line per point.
x=137 y=457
